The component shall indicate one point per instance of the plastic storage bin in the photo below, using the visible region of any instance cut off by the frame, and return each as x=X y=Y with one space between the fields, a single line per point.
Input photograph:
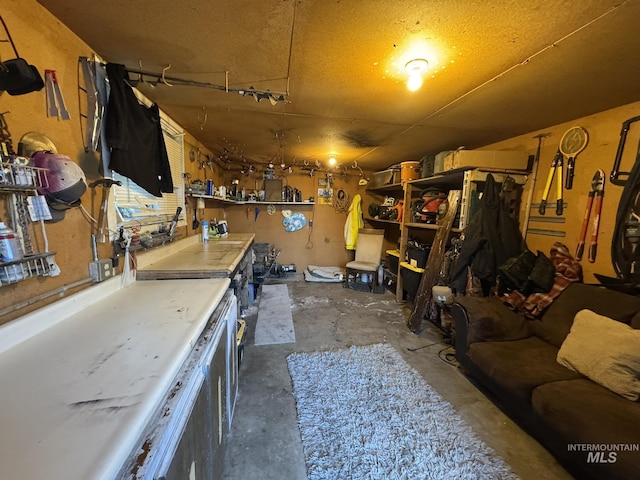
x=417 y=255
x=393 y=260
x=411 y=277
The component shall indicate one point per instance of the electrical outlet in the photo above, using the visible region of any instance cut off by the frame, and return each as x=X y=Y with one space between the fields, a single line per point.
x=100 y=270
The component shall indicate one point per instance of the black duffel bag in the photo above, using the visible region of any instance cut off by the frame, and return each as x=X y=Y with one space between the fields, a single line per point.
x=17 y=77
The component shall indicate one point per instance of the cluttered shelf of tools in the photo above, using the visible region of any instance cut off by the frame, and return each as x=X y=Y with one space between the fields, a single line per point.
x=416 y=217
x=243 y=202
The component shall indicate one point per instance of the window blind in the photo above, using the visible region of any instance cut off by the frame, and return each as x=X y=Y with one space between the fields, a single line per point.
x=134 y=204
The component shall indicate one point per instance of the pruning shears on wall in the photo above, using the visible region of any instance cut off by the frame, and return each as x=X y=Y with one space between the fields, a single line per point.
x=597 y=193
x=556 y=167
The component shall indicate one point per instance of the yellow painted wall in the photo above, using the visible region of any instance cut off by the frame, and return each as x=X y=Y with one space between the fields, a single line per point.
x=46 y=43
x=604 y=134
x=322 y=245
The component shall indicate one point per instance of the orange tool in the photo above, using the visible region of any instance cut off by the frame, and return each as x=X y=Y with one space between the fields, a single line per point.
x=597 y=192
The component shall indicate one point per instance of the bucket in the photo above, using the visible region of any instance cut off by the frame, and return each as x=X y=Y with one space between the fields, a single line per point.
x=409 y=171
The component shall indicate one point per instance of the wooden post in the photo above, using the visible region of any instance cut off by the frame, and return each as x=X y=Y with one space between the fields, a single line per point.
x=434 y=263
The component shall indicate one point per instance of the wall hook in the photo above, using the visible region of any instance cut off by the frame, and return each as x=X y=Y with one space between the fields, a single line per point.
x=164 y=70
x=202 y=120
x=140 y=78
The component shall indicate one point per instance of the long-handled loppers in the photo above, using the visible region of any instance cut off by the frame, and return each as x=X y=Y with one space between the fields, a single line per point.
x=597 y=193
x=556 y=167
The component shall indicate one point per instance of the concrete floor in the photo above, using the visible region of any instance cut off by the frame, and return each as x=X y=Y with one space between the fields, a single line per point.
x=265 y=441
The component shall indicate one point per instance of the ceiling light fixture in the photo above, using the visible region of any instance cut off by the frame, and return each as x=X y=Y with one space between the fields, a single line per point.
x=415 y=68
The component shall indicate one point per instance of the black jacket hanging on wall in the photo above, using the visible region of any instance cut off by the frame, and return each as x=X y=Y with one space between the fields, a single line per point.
x=491 y=237
x=134 y=137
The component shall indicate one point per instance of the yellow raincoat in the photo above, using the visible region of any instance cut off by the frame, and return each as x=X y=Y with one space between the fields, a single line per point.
x=354 y=223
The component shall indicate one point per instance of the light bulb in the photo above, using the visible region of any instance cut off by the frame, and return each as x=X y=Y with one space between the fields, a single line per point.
x=415 y=69
x=415 y=82
x=332 y=160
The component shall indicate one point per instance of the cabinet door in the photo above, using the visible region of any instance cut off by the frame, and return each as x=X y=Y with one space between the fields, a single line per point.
x=191 y=458
x=231 y=320
x=216 y=374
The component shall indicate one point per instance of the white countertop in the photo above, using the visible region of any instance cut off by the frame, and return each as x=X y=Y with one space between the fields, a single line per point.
x=75 y=396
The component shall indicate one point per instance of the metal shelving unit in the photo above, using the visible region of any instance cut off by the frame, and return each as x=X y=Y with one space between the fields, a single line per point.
x=17 y=181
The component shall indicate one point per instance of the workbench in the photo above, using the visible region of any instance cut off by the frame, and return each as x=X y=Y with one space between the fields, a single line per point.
x=193 y=258
x=93 y=380
x=223 y=257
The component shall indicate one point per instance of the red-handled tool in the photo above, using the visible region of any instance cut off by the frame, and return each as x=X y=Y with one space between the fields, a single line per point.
x=597 y=193
x=55 y=101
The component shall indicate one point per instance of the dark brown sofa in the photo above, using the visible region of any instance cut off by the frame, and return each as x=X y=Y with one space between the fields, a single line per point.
x=514 y=360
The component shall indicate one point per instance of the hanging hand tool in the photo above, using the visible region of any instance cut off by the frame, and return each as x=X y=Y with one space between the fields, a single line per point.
x=556 y=167
x=534 y=169
x=95 y=107
x=195 y=223
x=615 y=172
x=572 y=143
x=55 y=101
x=597 y=192
x=102 y=229
x=174 y=222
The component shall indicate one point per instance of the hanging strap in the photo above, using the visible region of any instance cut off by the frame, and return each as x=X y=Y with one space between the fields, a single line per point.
x=4 y=25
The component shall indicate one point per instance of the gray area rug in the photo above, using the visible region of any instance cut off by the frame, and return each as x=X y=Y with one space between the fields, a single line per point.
x=364 y=413
x=275 y=323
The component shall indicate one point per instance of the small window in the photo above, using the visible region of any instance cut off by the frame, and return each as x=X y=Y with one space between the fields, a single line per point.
x=137 y=206
x=133 y=205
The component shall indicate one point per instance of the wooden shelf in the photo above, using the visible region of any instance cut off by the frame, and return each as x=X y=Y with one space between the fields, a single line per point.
x=389 y=188
x=246 y=202
x=428 y=226
x=464 y=179
x=380 y=220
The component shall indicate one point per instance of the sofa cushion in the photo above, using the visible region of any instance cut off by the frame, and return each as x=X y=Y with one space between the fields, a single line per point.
x=606 y=351
x=519 y=366
x=583 y=412
x=556 y=322
x=490 y=319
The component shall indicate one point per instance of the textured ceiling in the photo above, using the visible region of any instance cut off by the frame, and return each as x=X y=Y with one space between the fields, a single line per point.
x=497 y=69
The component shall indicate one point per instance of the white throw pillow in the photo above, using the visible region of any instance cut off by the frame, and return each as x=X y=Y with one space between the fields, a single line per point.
x=606 y=351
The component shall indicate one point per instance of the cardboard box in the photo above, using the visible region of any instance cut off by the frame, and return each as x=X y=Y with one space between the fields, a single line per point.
x=438 y=161
x=500 y=159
